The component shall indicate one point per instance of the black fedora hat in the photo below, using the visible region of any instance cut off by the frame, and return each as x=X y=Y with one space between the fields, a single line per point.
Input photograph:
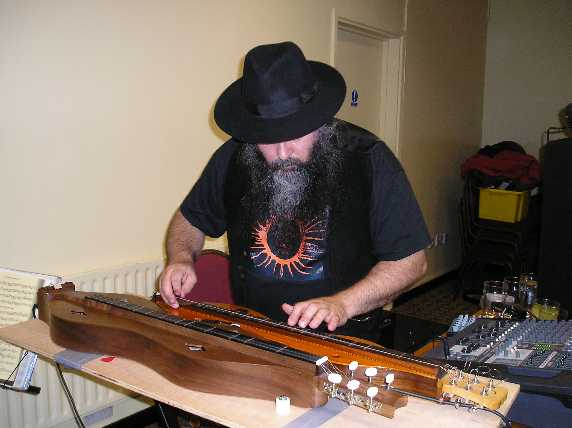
x=281 y=96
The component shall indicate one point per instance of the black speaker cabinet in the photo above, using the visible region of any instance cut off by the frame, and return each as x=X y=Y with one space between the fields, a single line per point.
x=555 y=255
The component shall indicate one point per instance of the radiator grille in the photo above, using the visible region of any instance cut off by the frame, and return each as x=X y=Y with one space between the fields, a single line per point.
x=50 y=408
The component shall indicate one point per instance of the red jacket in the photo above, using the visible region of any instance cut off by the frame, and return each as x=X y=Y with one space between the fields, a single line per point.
x=519 y=167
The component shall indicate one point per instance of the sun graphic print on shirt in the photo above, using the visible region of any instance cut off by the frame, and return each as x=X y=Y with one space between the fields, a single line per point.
x=289 y=249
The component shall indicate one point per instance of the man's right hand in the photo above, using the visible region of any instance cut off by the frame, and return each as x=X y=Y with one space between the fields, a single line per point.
x=177 y=280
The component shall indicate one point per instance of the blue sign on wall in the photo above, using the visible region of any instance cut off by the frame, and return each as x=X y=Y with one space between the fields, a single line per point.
x=355 y=98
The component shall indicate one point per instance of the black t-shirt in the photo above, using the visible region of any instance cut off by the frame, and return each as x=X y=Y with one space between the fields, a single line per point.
x=396 y=223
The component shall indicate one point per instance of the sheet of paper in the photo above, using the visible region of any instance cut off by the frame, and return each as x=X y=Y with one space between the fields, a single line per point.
x=17 y=296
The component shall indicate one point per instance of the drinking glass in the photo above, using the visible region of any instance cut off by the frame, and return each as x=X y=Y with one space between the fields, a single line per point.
x=511 y=286
x=549 y=309
x=528 y=290
x=493 y=292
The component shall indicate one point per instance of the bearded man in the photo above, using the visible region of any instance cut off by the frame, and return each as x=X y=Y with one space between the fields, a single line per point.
x=323 y=227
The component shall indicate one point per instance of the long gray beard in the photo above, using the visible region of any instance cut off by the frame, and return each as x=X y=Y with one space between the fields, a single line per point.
x=288 y=183
x=283 y=188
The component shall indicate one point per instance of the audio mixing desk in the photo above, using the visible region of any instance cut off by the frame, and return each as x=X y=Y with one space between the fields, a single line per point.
x=536 y=354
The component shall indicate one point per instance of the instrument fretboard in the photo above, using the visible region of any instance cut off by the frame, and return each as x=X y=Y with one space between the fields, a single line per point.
x=390 y=353
x=206 y=327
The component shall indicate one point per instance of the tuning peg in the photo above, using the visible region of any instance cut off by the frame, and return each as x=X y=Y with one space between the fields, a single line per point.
x=352 y=386
x=352 y=367
x=370 y=372
x=475 y=379
x=371 y=392
x=491 y=386
x=335 y=378
x=389 y=378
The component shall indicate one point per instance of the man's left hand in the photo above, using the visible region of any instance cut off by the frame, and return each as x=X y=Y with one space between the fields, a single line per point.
x=311 y=313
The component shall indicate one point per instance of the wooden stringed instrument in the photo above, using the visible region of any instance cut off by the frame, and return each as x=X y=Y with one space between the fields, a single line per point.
x=230 y=350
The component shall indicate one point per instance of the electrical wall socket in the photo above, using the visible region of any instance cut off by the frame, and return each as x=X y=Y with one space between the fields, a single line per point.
x=439 y=238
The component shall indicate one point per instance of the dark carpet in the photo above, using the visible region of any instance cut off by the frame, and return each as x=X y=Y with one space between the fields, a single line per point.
x=439 y=301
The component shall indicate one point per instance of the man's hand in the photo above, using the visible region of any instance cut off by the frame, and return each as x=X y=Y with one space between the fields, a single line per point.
x=177 y=280
x=313 y=312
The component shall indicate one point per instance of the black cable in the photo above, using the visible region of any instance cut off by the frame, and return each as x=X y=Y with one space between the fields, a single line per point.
x=17 y=365
x=445 y=343
x=71 y=401
x=4 y=382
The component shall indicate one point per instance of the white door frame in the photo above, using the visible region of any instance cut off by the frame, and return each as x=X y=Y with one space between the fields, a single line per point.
x=391 y=69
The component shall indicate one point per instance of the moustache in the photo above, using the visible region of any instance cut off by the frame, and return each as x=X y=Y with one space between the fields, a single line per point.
x=286 y=165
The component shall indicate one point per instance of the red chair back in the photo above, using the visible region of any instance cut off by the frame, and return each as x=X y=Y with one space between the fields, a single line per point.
x=213 y=278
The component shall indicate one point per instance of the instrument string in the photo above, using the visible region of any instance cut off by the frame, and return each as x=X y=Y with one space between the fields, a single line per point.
x=205 y=327
x=270 y=346
x=310 y=333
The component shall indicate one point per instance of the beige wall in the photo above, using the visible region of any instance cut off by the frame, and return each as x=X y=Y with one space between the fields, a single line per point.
x=529 y=69
x=442 y=110
x=104 y=113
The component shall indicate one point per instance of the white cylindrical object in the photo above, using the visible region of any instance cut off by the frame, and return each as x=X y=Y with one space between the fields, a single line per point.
x=370 y=371
x=282 y=405
x=335 y=378
x=389 y=378
x=372 y=391
x=353 y=365
x=353 y=384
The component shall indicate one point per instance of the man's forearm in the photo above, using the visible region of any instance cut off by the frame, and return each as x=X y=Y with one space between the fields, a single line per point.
x=384 y=282
x=184 y=241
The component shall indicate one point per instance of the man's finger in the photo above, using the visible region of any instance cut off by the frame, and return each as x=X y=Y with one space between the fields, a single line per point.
x=296 y=313
x=176 y=282
x=167 y=291
x=333 y=323
x=319 y=317
x=287 y=308
x=189 y=281
x=308 y=314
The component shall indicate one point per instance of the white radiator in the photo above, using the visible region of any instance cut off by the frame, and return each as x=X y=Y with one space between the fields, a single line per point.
x=98 y=404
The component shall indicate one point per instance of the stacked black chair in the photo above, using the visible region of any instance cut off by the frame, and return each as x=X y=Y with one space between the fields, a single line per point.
x=488 y=242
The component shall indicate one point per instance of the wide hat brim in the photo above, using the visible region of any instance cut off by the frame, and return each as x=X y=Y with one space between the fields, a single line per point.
x=234 y=117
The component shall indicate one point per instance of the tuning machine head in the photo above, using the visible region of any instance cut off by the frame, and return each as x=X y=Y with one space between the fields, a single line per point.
x=352 y=367
x=370 y=372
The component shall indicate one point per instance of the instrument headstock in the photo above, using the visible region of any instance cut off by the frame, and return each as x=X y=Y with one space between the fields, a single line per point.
x=373 y=388
x=475 y=389
x=365 y=387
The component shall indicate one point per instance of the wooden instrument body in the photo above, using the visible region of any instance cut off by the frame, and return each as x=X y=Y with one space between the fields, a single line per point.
x=410 y=373
x=221 y=366
x=247 y=355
